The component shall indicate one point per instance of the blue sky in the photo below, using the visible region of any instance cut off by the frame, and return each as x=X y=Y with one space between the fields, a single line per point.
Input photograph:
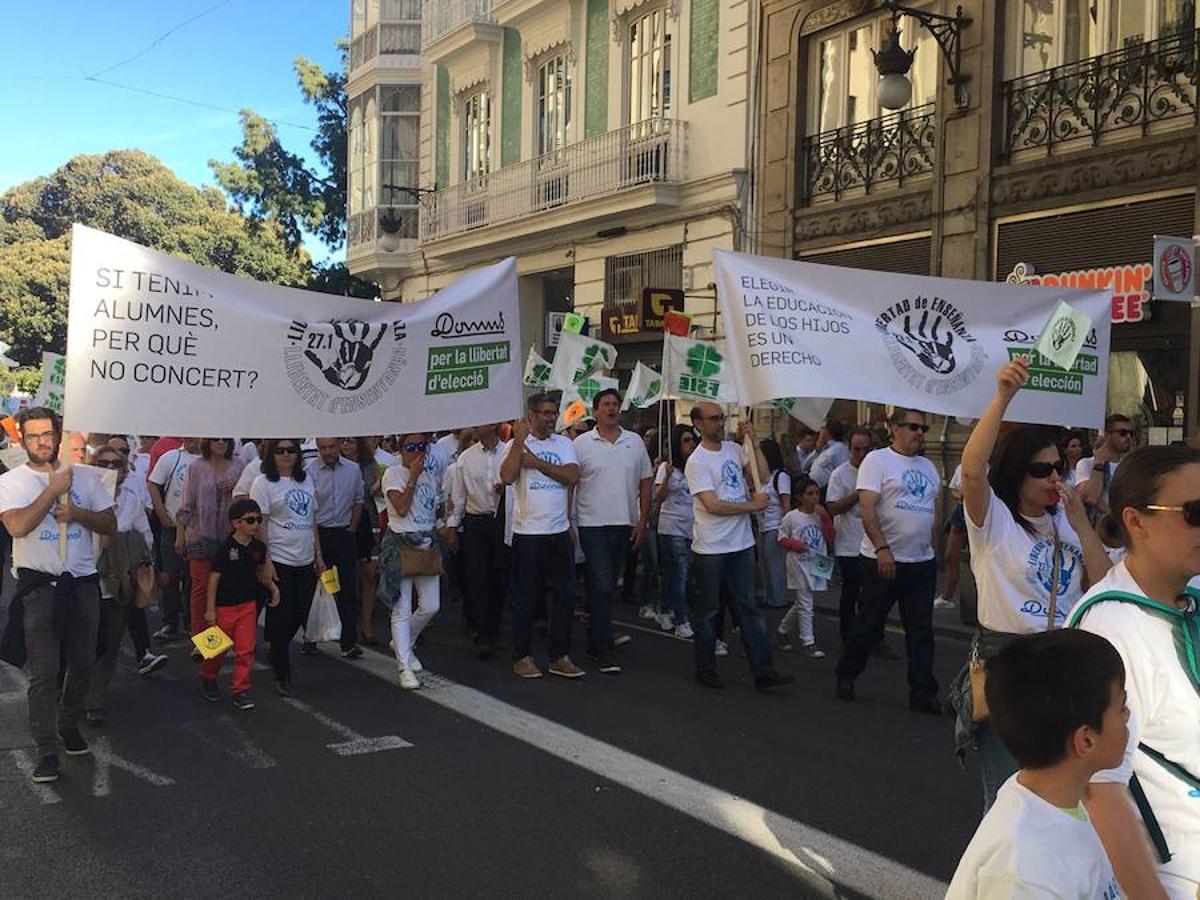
x=236 y=55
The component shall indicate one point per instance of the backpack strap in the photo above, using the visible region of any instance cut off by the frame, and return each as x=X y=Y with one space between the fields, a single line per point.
x=1153 y=829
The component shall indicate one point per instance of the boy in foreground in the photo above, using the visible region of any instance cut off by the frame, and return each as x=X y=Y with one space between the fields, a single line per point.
x=1057 y=700
x=239 y=577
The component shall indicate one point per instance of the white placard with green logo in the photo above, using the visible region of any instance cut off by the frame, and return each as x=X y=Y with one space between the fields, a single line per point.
x=158 y=345
x=645 y=388
x=578 y=356
x=697 y=370
x=54 y=377
x=934 y=344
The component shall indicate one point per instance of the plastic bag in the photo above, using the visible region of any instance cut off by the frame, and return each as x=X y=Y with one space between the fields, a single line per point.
x=324 y=623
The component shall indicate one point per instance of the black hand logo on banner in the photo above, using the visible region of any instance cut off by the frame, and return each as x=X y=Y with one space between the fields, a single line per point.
x=934 y=353
x=355 y=346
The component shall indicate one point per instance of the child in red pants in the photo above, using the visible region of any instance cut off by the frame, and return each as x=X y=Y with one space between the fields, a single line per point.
x=238 y=578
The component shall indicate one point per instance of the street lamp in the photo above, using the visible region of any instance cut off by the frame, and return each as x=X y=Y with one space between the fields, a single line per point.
x=893 y=61
x=390 y=222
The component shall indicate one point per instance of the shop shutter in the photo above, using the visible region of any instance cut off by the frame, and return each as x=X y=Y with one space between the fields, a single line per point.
x=909 y=257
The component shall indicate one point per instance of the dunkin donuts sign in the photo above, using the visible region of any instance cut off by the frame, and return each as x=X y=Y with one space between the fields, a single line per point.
x=1130 y=285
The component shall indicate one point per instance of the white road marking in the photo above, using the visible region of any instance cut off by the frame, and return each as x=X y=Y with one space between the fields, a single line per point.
x=23 y=760
x=106 y=759
x=824 y=861
x=225 y=735
x=354 y=744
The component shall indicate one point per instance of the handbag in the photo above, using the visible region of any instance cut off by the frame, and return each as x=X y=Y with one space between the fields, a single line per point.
x=145 y=586
x=978 y=667
x=418 y=561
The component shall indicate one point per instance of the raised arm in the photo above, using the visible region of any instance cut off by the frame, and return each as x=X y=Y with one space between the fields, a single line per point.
x=977 y=493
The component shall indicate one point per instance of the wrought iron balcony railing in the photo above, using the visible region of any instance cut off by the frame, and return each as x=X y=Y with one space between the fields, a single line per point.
x=1129 y=90
x=653 y=151
x=387 y=39
x=363 y=229
x=892 y=148
x=440 y=17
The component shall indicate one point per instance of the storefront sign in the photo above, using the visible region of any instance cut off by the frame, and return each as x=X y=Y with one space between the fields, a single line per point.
x=656 y=303
x=620 y=323
x=1130 y=285
x=1174 y=268
x=630 y=321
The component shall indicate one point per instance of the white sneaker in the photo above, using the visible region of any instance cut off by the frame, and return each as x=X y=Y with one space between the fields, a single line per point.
x=151 y=663
x=940 y=602
x=814 y=652
x=647 y=612
x=666 y=621
x=408 y=680
x=722 y=649
x=415 y=664
x=684 y=630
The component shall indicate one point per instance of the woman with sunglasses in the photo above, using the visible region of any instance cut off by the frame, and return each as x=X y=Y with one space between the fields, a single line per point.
x=289 y=503
x=1146 y=610
x=411 y=490
x=202 y=523
x=1032 y=550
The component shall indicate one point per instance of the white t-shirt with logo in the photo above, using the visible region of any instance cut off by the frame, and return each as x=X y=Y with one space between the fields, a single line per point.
x=719 y=471
x=245 y=480
x=291 y=510
x=168 y=474
x=610 y=475
x=805 y=527
x=1164 y=715
x=774 y=487
x=849 y=525
x=908 y=489
x=1026 y=847
x=422 y=512
x=1087 y=465
x=675 y=516
x=540 y=502
x=1013 y=570
x=39 y=549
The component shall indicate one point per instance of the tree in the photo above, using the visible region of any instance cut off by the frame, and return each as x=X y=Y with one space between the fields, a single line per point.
x=270 y=184
x=132 y=195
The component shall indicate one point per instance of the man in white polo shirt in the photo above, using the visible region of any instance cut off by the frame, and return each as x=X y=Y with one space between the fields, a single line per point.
x=897 y=489
x=612 y=501
x=541 y=466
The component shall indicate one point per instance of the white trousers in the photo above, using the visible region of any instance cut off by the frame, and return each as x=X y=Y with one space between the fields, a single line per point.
x=408 y=625
x=799 y=617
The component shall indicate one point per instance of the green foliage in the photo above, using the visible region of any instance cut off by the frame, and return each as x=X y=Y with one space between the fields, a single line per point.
x=132 y=195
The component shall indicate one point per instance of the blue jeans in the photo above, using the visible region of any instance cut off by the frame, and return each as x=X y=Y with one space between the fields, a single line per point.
x=605 y=547
x=774 y=571
x=734 y=572
x=996 y=764
x=675 y=554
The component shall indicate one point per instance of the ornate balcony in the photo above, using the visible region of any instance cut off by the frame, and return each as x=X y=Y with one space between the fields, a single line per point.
x=387 y=42
x=363 y=229
x=647 y=153
x=1126 y=93
x=440 y=17
x=859 y=158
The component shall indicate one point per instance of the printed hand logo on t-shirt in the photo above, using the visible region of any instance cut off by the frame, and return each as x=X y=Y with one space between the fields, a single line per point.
x=918 y=484
x=731 y=481
x=813 y=539
x=538 y=481
x=1041 y=574
x=298 y=501
x=426 y=500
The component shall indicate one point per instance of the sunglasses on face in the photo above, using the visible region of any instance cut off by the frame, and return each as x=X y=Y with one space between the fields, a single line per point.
x=251 y=519
x=1189 y=508
x=1043 y=469
x=108 y=464
x=914 y=427
x=416 y=448
x=286 y=451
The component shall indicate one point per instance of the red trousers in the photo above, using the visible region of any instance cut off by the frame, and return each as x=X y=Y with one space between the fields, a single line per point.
x=240 y=623
x=198 y=572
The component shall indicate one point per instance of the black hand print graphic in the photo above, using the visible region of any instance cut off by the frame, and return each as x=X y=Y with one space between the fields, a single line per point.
x=354 y=350
x=934 y=353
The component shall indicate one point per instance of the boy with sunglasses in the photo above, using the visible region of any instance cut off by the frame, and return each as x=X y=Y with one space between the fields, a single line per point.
x=239 y=577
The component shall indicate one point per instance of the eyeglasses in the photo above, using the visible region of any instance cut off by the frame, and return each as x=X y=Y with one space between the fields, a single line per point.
x=416 y=448
x=914 y=427
x=251 y=520
x=286 y=451
x=1043 y=469
x=108 y=464
x=1189 y=508
x=1123 y=432
x=46 y=437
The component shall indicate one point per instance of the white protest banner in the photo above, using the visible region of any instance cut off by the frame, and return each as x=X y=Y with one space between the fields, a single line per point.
x=696 y=370
x=645 y=388
x=577 y=357
x=50 y=391
x=1174 y=268
x=537 y=370
x=156 y=345
x=933 y=344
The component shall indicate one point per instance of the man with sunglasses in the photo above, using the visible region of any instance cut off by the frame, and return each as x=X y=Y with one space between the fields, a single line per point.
x=59 y=597
x=339 y=488
x=541 y=466
x=897 y=490
x=1093 y=474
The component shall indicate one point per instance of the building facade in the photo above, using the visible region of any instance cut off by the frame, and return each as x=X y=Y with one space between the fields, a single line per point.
x=604 y=143
x=1076 y=144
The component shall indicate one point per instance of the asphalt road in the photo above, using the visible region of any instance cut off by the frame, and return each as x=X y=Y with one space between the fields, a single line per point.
x=637 y=785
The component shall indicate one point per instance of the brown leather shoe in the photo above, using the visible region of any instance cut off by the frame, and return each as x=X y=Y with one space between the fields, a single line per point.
x=526 y=668
x=565 y=668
